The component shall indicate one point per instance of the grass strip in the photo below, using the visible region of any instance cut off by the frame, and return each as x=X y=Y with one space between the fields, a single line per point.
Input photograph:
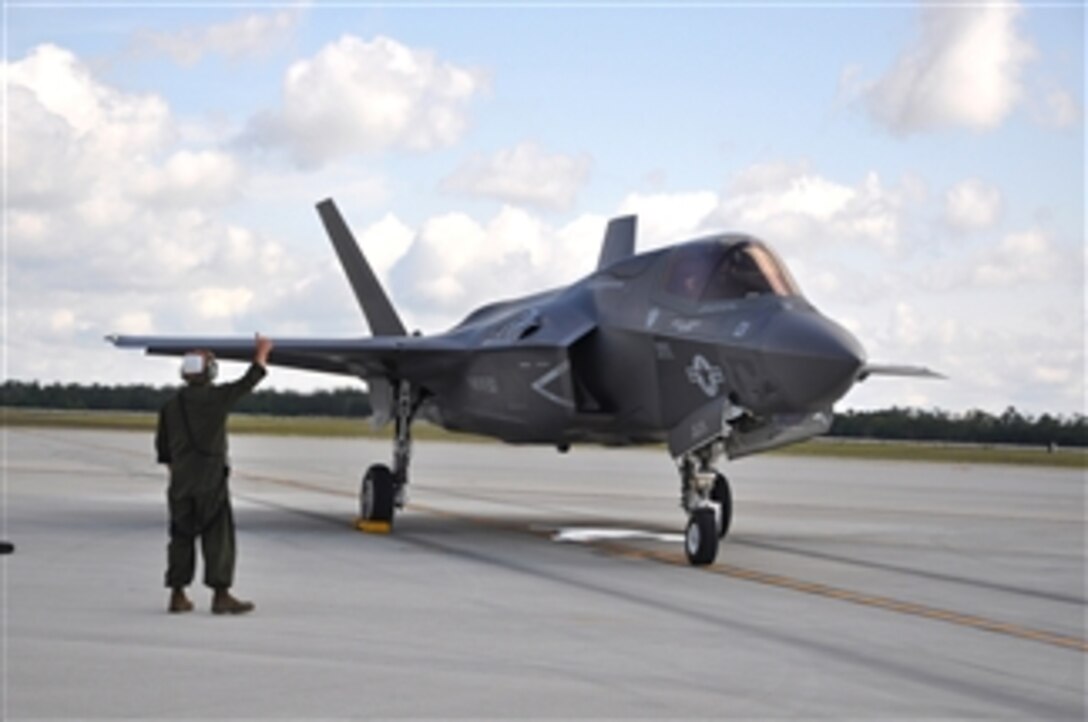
x=333 y=427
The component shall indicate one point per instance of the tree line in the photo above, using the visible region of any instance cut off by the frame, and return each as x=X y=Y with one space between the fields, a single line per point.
x=973 y=427
x=980 y=427
x=347 y=402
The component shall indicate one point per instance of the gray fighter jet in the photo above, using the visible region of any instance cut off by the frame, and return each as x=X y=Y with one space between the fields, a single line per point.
x=708 y=346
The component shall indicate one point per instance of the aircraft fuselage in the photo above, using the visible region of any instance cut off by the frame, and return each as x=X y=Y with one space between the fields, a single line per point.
x=626 y=354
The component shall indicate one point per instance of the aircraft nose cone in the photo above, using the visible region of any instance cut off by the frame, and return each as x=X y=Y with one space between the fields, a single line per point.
x=811 y=360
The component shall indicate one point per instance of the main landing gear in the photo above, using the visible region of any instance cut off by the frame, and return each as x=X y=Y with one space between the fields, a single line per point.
x=706 y=497
x=382 y=490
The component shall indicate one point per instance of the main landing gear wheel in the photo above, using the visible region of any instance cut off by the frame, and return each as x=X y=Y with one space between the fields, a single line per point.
x=383 y=489
x=701 y=537
x=721 y=495
x=377 y=494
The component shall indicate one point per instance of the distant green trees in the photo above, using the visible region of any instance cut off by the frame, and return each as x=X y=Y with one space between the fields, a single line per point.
x=979 y=427
x=141 y=397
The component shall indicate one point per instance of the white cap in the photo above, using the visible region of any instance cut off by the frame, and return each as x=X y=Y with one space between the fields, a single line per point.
x=192 y=364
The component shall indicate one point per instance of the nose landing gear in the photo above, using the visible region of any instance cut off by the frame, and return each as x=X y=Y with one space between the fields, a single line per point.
x=706 y=497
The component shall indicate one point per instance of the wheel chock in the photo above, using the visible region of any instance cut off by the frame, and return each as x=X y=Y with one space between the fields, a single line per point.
x=373 y=527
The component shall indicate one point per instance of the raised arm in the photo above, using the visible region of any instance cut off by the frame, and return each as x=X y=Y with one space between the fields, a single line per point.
x=264 y=347
x=235 y=390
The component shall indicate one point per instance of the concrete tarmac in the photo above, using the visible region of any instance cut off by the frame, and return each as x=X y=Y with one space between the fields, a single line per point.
x=845 y=590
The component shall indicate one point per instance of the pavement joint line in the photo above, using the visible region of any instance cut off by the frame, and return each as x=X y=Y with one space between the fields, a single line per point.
x=728 y=570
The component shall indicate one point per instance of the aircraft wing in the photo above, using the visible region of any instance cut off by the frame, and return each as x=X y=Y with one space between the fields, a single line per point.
x=381 y=356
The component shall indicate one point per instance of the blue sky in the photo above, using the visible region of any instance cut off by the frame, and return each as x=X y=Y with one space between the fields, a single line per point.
x=920 y=167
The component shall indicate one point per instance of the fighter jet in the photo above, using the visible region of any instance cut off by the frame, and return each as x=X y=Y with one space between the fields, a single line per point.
x=707 y=346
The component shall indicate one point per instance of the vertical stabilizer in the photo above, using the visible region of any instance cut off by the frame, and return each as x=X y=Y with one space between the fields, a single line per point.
x=619 y=240
x=379 y=312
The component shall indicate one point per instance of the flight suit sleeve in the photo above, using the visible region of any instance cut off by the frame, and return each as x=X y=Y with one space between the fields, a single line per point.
x=235 y=390
x=162 y=439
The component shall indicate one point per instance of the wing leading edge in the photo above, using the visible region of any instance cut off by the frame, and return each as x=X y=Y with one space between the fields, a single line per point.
x=363 y=357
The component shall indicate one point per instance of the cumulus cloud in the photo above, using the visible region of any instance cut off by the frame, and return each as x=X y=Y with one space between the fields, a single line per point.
x=215 y=303
x=385 y=242
x=972 y=205
x=251 y=35
x=1024 y=257
x=1059 y=109
x=356 y=96
x=668 y=217
x=191 y=178
x=67 y=127
x=457 y=263
x=62 y=320
x=133 y=322
x=104 y=119
x=88 y=147
x=789 y=204
x=525 y=174
x=109 y=224
x=963 y=70
x=990 y=363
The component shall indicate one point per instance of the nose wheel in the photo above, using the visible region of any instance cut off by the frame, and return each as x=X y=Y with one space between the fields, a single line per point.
x=701 y=537
x=708 y=500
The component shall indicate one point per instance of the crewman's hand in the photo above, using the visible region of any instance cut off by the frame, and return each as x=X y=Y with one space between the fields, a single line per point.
x=264 y=347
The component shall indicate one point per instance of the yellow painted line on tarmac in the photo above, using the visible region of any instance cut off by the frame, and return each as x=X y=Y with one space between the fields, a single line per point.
x=846 y=595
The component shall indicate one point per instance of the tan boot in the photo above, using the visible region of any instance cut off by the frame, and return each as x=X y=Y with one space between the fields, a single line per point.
x=179 y=602
x=224 y=603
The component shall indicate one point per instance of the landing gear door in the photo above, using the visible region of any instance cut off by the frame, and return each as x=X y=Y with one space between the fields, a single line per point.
x=698 y=428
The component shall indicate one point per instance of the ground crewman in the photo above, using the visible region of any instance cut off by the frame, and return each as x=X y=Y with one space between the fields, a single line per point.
x=192 y=440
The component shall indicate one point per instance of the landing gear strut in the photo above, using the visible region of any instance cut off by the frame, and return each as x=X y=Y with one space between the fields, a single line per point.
x=383 y=490
x=706 y=497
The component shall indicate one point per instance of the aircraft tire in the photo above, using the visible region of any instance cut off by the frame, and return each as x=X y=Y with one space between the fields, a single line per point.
x=377 y=494
x=722 y=495
x=701 y=537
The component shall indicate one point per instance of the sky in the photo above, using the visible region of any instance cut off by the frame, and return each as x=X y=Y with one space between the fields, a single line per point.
x=920 y=167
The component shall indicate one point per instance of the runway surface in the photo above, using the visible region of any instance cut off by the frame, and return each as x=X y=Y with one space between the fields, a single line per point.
x=846 y=589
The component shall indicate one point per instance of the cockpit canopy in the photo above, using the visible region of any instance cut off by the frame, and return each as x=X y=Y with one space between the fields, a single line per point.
x=728 y=269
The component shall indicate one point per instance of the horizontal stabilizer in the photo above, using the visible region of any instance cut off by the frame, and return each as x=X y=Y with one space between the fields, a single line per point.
x=619 y=241
x=895 y=370
x=379 y=312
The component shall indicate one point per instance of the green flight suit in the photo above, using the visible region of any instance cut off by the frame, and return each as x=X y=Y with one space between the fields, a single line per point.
x=192 y=439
